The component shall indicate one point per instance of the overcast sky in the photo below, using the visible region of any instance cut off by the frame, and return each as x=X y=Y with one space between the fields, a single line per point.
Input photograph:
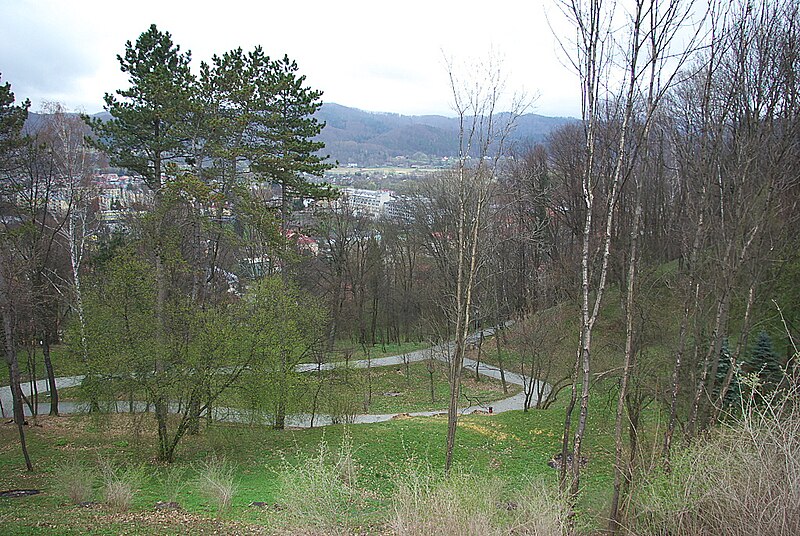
x=374 y=55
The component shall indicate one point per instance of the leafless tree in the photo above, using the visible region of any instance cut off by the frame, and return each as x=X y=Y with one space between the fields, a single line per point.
x=591 y=60
x=483 y=133
x=65 y=135
x=621 y=84
x=654 y=61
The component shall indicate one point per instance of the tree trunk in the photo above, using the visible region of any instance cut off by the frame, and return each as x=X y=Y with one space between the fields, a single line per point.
x=7 y=310
x=193 y=428
x=19 y=415
x=691 y=303
x=51 y=378
x=159 y=399
x=280 y=406
x=741 y=343
x=622 y=474
x=562 y=478
x=720 y=320
x=431 y=370
x=33 y=377
x=467 y=266
x=452 y=408
x=163 y=437
x=315 y=399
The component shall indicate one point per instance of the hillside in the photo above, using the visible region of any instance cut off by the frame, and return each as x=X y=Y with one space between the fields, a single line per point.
x=369 y=138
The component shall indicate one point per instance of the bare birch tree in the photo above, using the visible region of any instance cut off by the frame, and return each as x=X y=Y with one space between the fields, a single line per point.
x=74 y=161
x=622 y=80
x=592 y=22
x=483 y=133
x=652 y=44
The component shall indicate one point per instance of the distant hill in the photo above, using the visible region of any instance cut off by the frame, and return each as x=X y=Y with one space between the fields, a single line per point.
x=36 y=120
x=366 y=138
x=370 y=138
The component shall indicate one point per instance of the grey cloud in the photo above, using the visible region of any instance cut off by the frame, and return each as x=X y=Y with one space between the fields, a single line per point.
x=41 y=58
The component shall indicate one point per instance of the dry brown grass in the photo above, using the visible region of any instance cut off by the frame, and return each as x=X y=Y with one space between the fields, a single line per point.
x=320 y=491
x=216 y=482
x=472 y=506
x=119 y=485
x=75 y=481
x=744 y=480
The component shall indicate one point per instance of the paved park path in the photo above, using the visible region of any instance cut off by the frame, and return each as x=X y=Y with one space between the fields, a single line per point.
x=439 y=352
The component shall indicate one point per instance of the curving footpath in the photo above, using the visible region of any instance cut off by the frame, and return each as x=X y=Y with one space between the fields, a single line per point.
x=439 y=352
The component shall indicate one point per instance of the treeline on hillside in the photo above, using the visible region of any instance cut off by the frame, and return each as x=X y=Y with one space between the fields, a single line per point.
x=681 y=181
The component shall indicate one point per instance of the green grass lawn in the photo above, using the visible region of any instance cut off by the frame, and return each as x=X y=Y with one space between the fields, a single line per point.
x=397 y=389
x=514 y=447
x=552 y=335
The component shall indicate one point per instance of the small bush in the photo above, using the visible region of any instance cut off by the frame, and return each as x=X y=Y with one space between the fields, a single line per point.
x=216 y=482
x=342 y=400
x=119 y=485
x=319 y=491
x=76 y=480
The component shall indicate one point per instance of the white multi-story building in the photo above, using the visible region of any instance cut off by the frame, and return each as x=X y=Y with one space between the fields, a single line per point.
x=375 y=204
x=399 y=209
x=365 y=202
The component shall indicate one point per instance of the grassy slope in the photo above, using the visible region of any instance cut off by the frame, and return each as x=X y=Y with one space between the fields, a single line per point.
x=514 y=446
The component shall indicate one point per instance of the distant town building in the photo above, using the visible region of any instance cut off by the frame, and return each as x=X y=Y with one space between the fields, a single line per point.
x=374 y=204
x=365 y=202
x=399 y=208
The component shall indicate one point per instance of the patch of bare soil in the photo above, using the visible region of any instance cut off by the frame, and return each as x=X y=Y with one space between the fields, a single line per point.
x=14 y=493
x=175 y=521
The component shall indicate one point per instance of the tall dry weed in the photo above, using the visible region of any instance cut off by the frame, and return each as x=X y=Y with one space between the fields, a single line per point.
x=466 y=505
x=320 y=491
x=742 y=480
x=216 y=482
x=119 y=484
x=75 y=480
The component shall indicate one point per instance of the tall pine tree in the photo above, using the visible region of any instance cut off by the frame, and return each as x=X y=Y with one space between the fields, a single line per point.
x=764 y=362
x=288 y=154
x=148 y=134
x=191 y=139
x=148 y=125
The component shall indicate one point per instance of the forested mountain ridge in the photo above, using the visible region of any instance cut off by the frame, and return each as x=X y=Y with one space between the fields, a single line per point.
x=353 y=135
